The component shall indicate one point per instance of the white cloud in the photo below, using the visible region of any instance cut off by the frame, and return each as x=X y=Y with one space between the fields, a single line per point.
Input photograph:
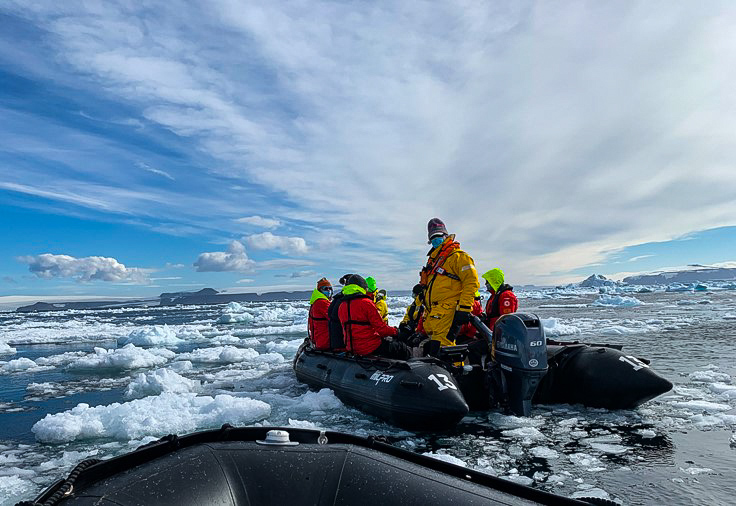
x=640 y=257
x=245 y=280
x=84 y=269
x=159 y=172
x=542 y=140
x=284 y=244
x=234 y=259
x=259 y=221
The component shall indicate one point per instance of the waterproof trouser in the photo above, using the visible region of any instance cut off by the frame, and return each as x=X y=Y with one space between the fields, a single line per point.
x=438 y=323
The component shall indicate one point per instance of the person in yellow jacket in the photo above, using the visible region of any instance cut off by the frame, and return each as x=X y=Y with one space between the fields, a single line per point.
x=380 y=300
x=450 y=282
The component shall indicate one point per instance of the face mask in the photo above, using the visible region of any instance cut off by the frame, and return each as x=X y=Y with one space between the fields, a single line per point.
x=327 y=291
x=437 y=241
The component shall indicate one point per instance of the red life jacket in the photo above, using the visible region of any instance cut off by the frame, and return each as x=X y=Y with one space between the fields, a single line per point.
x=317 y=324
x=503 y=302
x=362 y=325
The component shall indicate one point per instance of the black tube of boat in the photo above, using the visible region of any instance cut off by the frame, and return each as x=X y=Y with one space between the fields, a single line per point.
x=483 y=329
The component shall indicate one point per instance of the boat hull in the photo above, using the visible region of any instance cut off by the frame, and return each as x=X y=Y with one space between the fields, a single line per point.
x=418 y=394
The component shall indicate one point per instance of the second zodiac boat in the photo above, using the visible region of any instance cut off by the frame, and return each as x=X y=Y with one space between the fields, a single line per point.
x=435 y=393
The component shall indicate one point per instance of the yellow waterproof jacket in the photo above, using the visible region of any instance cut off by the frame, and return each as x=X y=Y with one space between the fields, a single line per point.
x=413 y=312
x=443 y=289
x=382 y=308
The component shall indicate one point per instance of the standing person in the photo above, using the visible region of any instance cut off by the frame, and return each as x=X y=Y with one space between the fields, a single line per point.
x=450 y=281
x=317 y=327
x=502 y=300
x=363 y=327
x=381 y=304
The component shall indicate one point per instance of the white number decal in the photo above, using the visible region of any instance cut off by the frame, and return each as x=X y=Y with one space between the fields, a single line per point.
x=633 y=362
x=535 y=343
x=440 y=385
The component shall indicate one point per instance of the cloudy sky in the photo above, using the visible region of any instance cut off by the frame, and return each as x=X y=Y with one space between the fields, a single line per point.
x=164 y=146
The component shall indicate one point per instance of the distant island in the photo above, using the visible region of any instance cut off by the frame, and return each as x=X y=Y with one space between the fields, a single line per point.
x=205 y=296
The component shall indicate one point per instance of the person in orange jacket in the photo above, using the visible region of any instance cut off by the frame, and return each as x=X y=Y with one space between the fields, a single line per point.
x=502 y=300
x=450 y=282
x=317 y=321
x=362 y=325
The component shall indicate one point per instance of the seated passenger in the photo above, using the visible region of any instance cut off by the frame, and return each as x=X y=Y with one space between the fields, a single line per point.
x=363 y=327
x=412 y=321
x=468 y=330
x=337 y=340
x=317 y=321
x=502 y=300
x=381 y=304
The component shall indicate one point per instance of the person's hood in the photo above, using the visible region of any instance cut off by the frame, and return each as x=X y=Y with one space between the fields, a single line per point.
x=353 y=289
x=316 y=295
x=494 y=278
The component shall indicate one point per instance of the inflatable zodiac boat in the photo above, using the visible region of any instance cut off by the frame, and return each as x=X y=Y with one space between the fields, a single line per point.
x=520 y=367
x=266 y=466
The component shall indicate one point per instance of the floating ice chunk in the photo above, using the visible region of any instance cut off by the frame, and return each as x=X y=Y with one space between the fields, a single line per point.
x=591 y=492
x=272 y=330
x=6 y=349
x=67 y=459
x=229 y=355
x=723 y=390
x=526 y=434
x=18 y=365
x=158 y=335
x=285 y=347
x=704 y=406
x=446 y=458
x=584 y=460
x=553 y=328
x=732 y=441
x=159 y=381
x=519 y=478
x=303 y=424
x=616 y=300
x=646 y=433
x=512 y=422
x=323 y=400
x=181 y=366
x=706 y=421
x=543 y=452
x=155 y=416
x=729 y=316
x=696 y=470
x=709 y=377
x=13 y=488
x=612 y=449
x=127 y=357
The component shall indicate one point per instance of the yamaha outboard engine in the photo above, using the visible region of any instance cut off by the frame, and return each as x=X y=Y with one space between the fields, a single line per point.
x=519 y=350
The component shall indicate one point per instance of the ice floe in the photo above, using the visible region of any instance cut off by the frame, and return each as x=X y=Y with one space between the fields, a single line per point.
x=128 y=357
x=6 y=349
x=616 y=300
x=160 y=381
x=155 y=416
x=229 y=355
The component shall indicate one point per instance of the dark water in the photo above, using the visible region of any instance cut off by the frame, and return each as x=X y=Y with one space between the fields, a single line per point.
x=667 y=451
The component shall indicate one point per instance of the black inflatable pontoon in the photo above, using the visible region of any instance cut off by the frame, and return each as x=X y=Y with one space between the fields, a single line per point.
x=266 y=466
x=435 y=393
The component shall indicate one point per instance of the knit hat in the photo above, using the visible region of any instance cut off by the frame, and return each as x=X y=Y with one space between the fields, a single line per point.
x=436 y=227
x=356 y=279
x=322 y=283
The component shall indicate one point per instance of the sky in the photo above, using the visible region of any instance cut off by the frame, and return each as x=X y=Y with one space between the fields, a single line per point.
x=150 y=147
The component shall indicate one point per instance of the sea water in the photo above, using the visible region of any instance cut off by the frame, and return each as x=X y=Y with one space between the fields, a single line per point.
x=82 y=384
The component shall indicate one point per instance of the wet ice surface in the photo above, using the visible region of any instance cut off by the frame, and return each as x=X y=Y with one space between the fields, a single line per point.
x=81 y=384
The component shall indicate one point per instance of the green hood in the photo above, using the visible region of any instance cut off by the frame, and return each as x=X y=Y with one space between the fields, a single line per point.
x=494 y=278
x=316 y=295
x=371 y=284
x=352 y=289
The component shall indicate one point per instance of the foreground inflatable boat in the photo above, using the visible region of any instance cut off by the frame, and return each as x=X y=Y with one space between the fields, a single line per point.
x=436 y=393
x=266 y=466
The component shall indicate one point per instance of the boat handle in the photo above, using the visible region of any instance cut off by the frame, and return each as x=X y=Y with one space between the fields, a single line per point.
x=410 y=384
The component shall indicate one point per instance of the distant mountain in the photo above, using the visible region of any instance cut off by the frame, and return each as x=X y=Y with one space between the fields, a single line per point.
x=698 y=273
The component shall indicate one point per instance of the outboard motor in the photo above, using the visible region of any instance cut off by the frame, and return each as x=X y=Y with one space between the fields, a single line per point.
x=519 y=350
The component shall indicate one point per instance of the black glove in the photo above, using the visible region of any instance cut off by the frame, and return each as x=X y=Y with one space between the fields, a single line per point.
x=461 y=318
x=405 y=331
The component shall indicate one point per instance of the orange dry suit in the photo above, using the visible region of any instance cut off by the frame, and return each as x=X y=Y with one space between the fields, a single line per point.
x=451 y=282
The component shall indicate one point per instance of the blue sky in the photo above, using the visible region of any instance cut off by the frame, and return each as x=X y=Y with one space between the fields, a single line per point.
x=172 y=147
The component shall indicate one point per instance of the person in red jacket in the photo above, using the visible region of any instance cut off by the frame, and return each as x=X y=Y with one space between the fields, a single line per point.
x=468 y=331
x=317 y=322
x=362 y=325
x=502 y=300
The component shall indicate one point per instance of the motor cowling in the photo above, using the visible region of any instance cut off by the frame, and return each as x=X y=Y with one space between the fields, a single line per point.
x=519 y=351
